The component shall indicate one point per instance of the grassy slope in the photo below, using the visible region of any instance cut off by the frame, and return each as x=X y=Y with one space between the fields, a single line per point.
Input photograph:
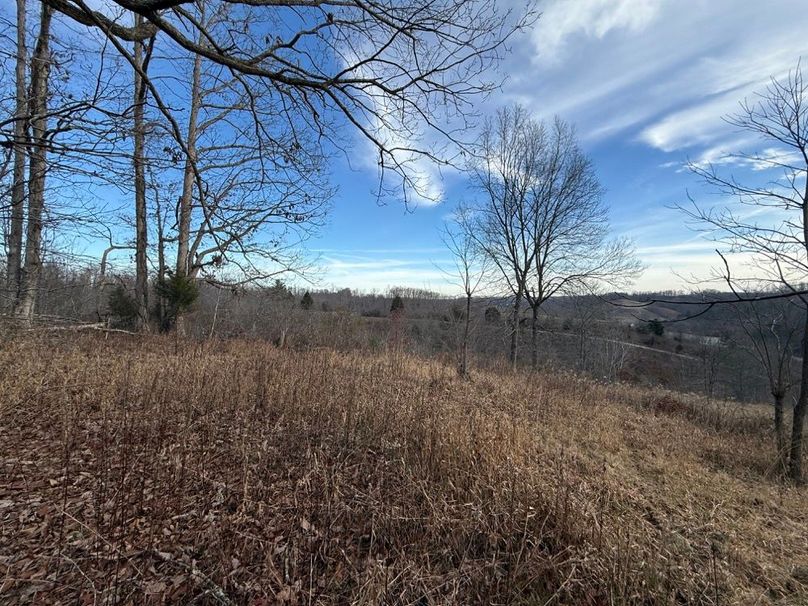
x=232 y=472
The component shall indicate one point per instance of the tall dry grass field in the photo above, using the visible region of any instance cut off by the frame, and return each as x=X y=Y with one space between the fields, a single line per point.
x=150 y=471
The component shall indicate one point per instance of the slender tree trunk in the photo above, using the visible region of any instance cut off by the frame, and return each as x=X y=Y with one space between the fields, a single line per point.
x=161 y=268
x=798 y=421
x=40 y=73
x=141 y=225
x=582 y=346
x=215 y=314
x=187 y=196
x=464 y=360
x=14 y=241
x=780 y=431
x=534 y=338
x=517 y=305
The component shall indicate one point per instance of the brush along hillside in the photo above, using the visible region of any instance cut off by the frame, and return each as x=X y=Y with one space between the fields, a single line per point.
x=154 y=471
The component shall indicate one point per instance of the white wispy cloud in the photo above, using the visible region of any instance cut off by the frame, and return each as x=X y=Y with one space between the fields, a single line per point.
x=765 y=159
x=563 y=21
x=713 y=87
x=654 y=77
x=698 y=245
x=682 y=269
x=418 y=178
x=414 y=159
x=666 y=72
x=381 y=269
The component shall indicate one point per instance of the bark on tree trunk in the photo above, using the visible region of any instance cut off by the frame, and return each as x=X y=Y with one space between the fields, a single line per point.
x=40 y=73
x=179 y=324
x=534 y=339
x=186 y=198
x=161 y=269
x=515 y=330
x=183 y=267
x=14 y=242
x=582 y=347
x=464 y=360
x=780 y=431
x=798 y=421
x=141 y=227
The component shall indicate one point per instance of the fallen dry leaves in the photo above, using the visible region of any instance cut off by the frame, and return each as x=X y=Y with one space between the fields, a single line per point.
x=140 y=471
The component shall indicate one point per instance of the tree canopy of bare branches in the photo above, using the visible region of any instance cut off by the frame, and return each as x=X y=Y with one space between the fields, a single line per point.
x=771 y=332
x=273 y=86
x=541 y=218
x=405 y=75
x=471 y=271
x=768 y=220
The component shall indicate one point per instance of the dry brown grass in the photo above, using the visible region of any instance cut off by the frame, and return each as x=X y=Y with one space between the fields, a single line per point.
x=229 y=472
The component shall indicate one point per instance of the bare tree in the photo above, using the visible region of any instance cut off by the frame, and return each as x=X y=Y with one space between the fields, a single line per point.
x=584 y=313
x=142 y=56
x=252 y=183
x=254 y=179
x=403 y=74
x=771 y=334
x=471 y=269
x=570 y=228
x=543 y=221
x=40 y=74
x=503 y=169
x=65 y=128
x=775 y=236
x=17 y=216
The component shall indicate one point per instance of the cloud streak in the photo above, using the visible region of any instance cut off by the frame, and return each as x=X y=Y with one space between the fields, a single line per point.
x=646 y=82
x=381 y=269
x=563 y=22
x=650 y=67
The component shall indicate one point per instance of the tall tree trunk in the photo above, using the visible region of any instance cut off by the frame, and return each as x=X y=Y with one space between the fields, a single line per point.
x=780 y=431
x=464 y=360
x=517 y=305
x=161 y=269
x=14 y=241
x=582 y=346
x=534 y=338
x=138 y=159
x=798 y=421
x=186 y=198
x=40 y=73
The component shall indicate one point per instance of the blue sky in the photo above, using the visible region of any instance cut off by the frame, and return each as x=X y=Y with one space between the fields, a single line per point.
x=646 y=82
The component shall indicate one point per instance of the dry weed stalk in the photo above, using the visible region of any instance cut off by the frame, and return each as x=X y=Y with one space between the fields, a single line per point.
x=135 y=470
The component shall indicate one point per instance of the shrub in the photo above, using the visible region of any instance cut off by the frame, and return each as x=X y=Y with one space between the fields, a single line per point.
x=278 y=291
x=492 y=315
x=655 y=327
x=122 y=307
x=397 y=306
x=179 y=293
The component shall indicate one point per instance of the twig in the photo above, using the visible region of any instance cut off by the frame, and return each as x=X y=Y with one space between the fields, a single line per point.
x=216 y=591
